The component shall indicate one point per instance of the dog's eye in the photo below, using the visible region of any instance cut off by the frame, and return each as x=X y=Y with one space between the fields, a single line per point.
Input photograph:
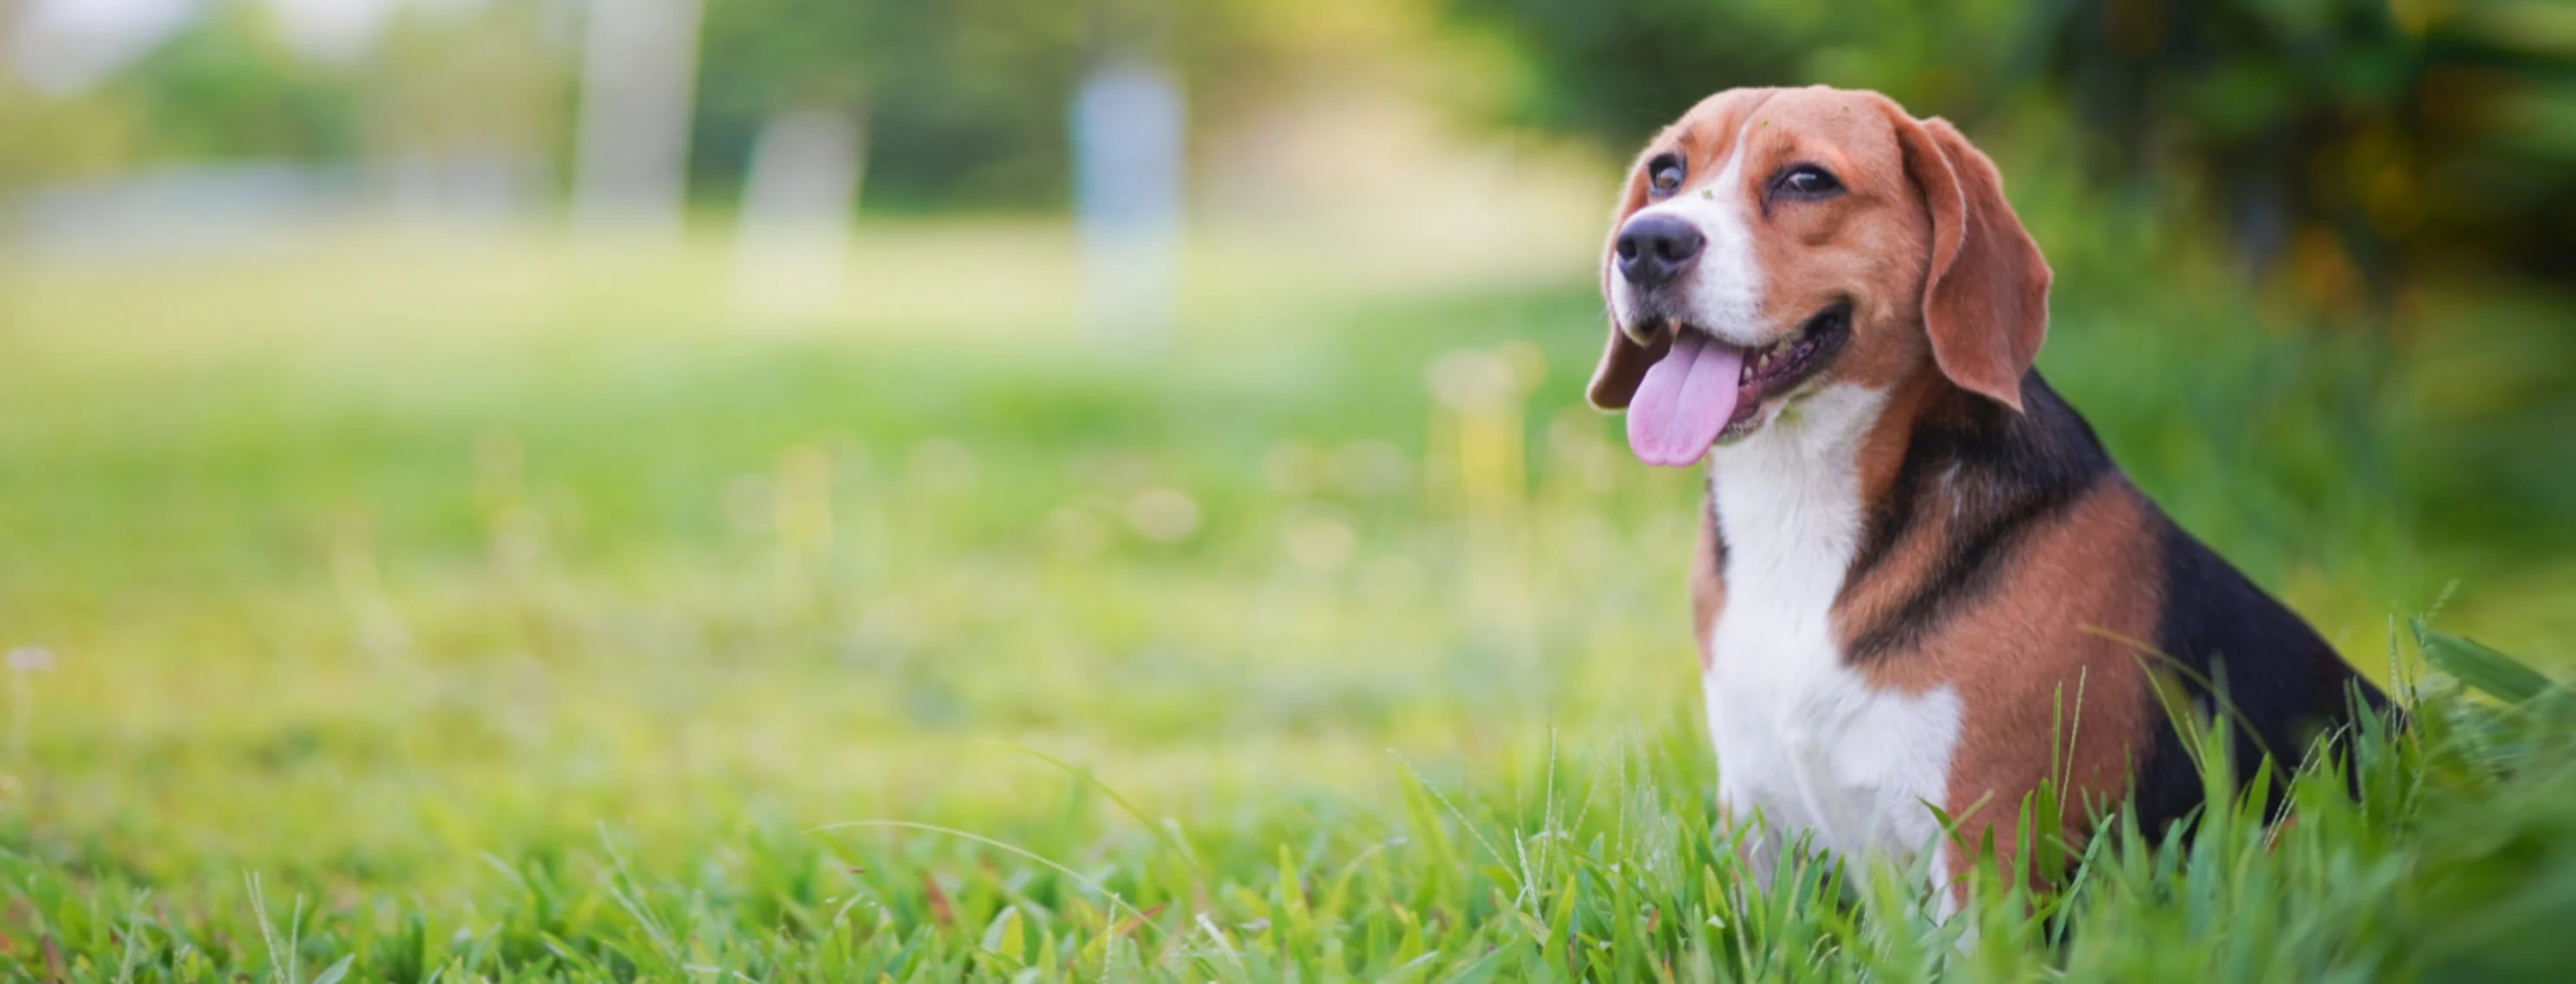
x=1664 y=174
x=1807 y=180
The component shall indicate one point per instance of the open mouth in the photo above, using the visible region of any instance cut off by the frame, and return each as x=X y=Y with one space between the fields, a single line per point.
x=1705 y=391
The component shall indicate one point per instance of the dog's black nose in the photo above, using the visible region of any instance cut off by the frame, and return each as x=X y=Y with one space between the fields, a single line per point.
x=1653 y=249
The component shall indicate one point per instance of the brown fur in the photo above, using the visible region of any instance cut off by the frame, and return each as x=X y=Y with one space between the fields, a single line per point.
x=1986 y=306
x=1708 y=584
x=2048 y=687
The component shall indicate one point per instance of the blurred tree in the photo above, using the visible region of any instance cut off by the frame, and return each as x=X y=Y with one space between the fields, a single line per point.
x=1619 y=70
x=966 y=101
x=469 y=95
x=2359 y=138
x=228 y=89
x=55 y=138
x=2358 y=134
x=962 y=100
x=232 y=87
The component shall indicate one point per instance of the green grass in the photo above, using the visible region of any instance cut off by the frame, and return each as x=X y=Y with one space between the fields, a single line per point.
x=507 y=610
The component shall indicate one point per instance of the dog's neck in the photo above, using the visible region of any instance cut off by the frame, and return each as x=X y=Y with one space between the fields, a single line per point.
x=1788 y=498
x=1813 y=501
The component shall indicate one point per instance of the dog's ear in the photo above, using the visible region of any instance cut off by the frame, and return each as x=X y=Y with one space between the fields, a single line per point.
x=1623 y=366
x=1985 y=300
x=1623 y=361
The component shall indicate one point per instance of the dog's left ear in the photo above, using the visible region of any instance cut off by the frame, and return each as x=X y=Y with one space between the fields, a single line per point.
x=1985 y=301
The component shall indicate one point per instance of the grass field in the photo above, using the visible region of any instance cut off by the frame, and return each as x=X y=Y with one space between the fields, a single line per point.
x=408 y=606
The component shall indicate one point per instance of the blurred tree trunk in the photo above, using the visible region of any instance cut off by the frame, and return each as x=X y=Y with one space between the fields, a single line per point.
x=639 y=73
x=792 y=236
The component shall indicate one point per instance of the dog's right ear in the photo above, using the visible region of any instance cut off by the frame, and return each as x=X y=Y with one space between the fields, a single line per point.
x=1623 y=366
x=1623 y=361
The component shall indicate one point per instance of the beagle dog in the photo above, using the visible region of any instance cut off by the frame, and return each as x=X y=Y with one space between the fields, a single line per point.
x=1919 y=579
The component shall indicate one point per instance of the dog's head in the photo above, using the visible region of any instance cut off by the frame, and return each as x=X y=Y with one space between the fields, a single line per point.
x=1773 y=241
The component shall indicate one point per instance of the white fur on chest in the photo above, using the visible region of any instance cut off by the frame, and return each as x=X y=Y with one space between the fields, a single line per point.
x=1801 y=738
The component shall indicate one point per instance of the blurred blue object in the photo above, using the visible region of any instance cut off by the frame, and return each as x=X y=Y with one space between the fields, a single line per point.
x=1128 y=125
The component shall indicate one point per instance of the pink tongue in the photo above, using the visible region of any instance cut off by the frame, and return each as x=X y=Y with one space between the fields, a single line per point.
x=1684 y=401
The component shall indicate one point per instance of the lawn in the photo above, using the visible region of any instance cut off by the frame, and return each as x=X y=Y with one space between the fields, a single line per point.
x=407 y=605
